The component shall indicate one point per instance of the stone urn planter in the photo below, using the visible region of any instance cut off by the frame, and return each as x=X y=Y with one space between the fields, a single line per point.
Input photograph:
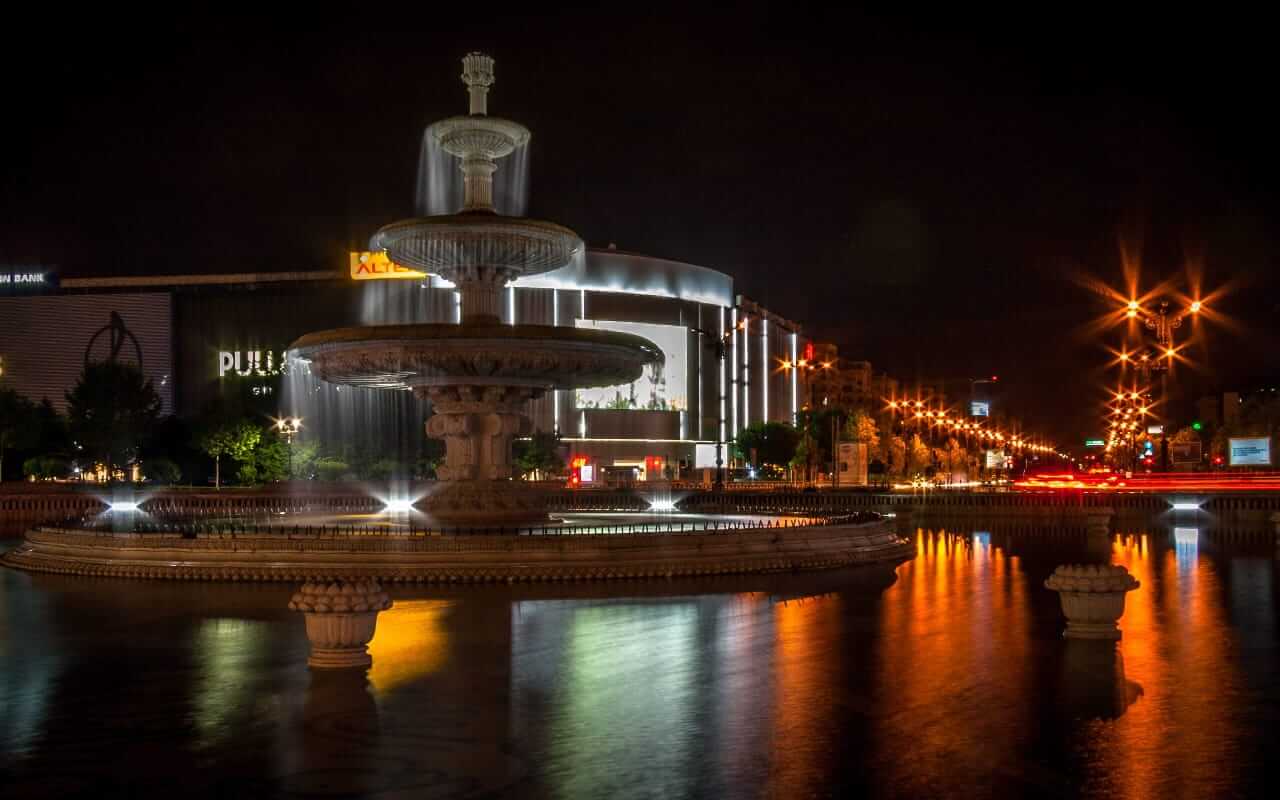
x=341 y=617
x=1092 y=598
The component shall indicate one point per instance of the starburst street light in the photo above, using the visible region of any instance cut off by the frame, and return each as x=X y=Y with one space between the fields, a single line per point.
x=1164 y=323
x=289 y=427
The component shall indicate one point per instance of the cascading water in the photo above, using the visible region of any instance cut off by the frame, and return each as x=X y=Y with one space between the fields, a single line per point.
x=391 y=422
x=440 y=184
x=378 y=434
x=451 y=346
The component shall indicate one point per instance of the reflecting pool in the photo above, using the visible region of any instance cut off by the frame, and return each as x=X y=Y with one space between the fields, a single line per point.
x=948 y=679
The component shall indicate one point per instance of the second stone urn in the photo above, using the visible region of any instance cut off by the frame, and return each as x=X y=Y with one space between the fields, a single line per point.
x=341 y=617
x=1092 y=598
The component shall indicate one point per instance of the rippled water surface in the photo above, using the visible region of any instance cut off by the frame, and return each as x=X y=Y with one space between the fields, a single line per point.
x=950 y=679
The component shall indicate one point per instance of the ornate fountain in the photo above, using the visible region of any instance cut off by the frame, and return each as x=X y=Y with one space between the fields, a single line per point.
x=479 y=374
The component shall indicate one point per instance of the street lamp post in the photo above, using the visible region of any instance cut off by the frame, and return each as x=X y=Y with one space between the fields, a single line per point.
x=721 y=349
x=809 y=366
x=289 y=428
x=1163 y=323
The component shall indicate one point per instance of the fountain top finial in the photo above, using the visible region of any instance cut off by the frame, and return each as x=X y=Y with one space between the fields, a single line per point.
x=477 y=74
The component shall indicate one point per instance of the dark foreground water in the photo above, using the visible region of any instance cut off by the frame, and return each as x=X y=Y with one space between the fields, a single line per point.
x=950 y=681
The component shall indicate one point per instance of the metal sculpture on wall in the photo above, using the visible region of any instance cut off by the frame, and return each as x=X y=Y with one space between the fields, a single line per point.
x=117 y=334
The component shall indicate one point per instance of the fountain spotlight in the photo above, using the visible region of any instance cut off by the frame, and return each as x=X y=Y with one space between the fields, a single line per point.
x=666 y=504
x=123 y=505
x=401 y=506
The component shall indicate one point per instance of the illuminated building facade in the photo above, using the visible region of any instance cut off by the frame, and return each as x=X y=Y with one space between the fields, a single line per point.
x=220 y=340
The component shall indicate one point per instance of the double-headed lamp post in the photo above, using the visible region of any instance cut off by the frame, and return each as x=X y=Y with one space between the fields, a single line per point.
x=289 y=428
x=811 y=366
x=1163 y=322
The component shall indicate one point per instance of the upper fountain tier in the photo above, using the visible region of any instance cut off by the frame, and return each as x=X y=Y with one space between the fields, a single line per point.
x=478 y=249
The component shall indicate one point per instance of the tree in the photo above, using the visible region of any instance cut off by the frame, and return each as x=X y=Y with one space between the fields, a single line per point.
x=112 y=410
x=236 y=438
x=957 y=460
x=271 y=458
x=304 y=459
x=538 y=456
x=53 y=438
x=161 y=470
x=768 y=445
x=896 y=451
x=17 y=429
x=917 y=455
x=861 y=428
x=876 y=471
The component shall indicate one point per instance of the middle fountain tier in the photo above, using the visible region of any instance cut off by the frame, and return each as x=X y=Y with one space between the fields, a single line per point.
x=479 y=374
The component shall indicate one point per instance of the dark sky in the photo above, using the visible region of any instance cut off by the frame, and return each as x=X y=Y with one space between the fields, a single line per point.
x=928 y=197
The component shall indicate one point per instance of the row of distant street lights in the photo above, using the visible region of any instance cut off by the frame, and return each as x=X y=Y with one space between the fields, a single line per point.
x=918 y=411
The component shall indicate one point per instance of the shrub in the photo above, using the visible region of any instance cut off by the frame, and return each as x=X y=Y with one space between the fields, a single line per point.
x=331 y=469
x=44 y=467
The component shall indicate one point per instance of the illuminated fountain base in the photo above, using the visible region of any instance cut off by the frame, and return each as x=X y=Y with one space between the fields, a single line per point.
x=605 y=546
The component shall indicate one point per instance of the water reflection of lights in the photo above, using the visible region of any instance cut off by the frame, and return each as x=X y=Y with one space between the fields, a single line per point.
x=1186 y=537
x=1178 y=646
x=226 y=652
x=410 y=642
x=630 y=670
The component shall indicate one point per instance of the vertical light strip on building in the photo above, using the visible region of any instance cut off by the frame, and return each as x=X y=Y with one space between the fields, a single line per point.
x=582 y=303
x=764 y=369
x=723 y=378
x=795 y=354
x=555 y=393
x=582 y=424
x=733 y=405
x=746 y=371
x=457 y=308
x=702 y=393
x=511 y=305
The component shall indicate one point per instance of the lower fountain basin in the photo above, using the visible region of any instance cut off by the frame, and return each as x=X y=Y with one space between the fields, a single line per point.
x=600 y=546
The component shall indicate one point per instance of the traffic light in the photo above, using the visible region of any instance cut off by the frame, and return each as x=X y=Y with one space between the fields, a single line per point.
x=1197 y=426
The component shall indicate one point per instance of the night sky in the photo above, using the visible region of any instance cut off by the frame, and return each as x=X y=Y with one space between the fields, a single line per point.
x=936 y=200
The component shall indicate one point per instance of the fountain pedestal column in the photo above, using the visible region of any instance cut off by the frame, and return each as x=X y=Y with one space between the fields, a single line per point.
x=478 y=484
x=341 y=617
x=1092 y=598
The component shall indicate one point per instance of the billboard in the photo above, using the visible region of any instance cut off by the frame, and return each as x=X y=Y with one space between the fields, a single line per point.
x=375 y=266
x=979 y=408
x=704 y=456
x=853 y=464
x=1155 y=430
x=1184 y=452
x=995 y=459
x=1251 y=452
x=660 y=388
